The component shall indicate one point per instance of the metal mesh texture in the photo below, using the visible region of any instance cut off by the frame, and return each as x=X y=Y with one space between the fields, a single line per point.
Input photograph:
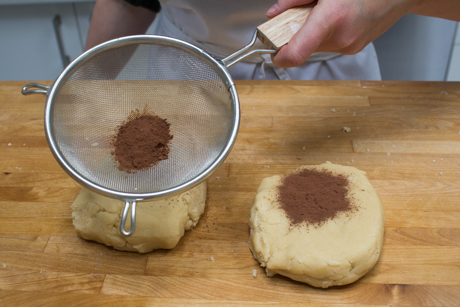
x=173 y=82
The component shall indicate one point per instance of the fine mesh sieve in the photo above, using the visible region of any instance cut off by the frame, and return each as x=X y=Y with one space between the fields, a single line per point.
x=177 y=81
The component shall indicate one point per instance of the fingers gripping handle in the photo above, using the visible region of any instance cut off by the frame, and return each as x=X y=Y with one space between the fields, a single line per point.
x=274 y=34
x=124 y=217
x=277 y=32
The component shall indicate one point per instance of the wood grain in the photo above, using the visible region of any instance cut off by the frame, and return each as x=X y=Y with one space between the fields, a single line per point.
x=405 y=135
x=276 y=32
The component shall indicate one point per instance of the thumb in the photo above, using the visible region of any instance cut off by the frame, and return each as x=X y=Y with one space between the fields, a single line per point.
x=283 y=5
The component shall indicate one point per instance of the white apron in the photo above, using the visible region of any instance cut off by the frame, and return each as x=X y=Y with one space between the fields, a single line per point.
x=222 y=27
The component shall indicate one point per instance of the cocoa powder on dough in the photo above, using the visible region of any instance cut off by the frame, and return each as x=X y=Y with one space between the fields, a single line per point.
x=313 y=196
x=141 y=141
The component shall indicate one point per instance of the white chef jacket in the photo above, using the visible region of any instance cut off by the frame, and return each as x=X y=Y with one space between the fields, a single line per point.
x=222 y=27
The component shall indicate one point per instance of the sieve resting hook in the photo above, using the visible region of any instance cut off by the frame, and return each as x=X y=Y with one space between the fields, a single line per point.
x=44 y=89
x=124 y=216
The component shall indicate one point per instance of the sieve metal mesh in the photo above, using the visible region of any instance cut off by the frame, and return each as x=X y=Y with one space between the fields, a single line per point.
x=173 y=82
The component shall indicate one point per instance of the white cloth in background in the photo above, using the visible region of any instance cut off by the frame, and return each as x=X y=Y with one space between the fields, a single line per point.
x=222 y=27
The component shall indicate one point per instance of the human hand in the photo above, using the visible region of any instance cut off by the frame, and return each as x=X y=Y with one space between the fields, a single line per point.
x=342 y=26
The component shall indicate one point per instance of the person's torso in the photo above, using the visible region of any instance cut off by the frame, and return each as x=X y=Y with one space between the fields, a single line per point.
x=229 y=24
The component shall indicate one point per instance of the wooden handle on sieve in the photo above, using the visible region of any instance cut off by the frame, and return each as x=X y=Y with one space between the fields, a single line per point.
x=277 y=32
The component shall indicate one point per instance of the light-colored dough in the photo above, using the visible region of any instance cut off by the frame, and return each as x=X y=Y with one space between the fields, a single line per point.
x=336 y=252
x=159 y=224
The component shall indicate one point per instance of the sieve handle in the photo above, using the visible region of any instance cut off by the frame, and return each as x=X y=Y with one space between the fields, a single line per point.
x=274 y=34
x=125 y=215
x=44 y=89
x=279 y=30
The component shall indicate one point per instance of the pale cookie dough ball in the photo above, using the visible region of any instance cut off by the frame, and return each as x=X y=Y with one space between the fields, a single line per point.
x=336 y=250
x=159 y=224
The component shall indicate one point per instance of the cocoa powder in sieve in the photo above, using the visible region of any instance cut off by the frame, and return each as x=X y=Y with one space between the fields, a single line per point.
x=313 y=196
x=141 y=141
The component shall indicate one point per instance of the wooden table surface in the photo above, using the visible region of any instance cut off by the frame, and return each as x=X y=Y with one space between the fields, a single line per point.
x=405 y=135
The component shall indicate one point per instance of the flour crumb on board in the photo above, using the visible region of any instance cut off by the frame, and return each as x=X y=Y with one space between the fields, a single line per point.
x=4 y=265
x=212 y=259
x=367 y=149
x=9 y=144
x=346 y=129
x=254 y=273
x=333 y=110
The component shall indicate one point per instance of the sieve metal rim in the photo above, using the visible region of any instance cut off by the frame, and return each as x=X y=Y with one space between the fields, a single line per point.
x=217 y=65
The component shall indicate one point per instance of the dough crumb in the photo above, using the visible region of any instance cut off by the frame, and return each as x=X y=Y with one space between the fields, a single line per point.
x=254 y=273
x=212 y=259
x=367 y=149
x=333 y=110
x=346 y=129
x=95 y=144
x=9 y=144
x=4 y=266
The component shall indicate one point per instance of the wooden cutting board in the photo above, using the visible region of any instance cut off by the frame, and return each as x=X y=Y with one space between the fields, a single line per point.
x=405 y=135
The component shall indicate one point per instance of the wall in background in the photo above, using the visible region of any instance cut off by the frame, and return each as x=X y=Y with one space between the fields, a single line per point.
x=453 y=74
x=416 y=48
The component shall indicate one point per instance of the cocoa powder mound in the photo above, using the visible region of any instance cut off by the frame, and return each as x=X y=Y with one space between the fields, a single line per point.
x=141 y=141
x=313 y=196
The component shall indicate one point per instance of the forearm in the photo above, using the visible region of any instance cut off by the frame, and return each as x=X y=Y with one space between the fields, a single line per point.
x=116 y=18
x=447 y=9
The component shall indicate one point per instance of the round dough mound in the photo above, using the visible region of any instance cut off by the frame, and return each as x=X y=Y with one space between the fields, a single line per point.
x=159 y=223
x=335 y=252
